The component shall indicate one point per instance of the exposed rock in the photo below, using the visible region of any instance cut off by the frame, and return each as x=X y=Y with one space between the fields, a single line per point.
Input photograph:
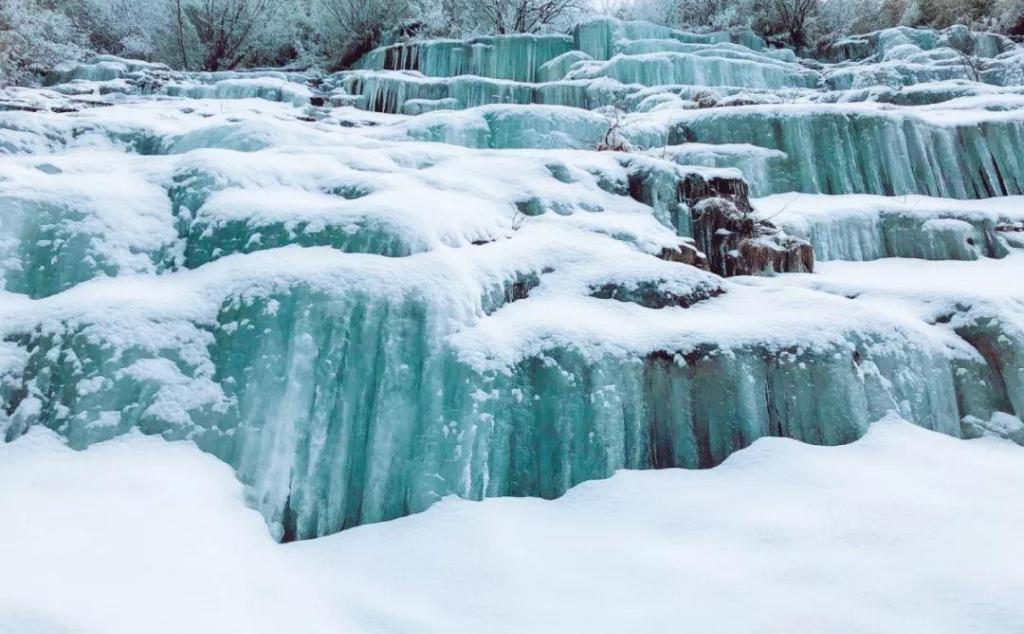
x=695 y=188
x=736 y=243
x=655 y=294
x=684 y=253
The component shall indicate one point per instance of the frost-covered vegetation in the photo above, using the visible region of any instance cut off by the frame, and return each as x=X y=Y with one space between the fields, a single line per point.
x=228 y=34
x=815 y=23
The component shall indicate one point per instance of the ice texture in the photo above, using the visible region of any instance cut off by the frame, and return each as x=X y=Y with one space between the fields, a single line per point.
x=859 y=227
x=508 y=265
x=518 y=57
x=865 y=149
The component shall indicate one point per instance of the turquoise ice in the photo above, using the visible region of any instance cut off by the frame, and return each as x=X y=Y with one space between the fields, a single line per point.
x=508 y=265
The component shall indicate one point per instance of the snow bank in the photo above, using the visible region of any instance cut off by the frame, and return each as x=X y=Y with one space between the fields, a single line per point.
x=890 y=534
x=138 y=534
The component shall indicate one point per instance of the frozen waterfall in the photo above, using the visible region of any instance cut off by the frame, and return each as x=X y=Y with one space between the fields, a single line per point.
x=508 y=265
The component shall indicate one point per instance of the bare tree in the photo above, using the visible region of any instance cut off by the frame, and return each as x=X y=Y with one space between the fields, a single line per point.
x=614 y=137
x=356 y=26
x=971 y=65
x=179 y=32
x=519 y=219
x=515 y=16
x=228 y=29
x=793 y=18
x=619 y=119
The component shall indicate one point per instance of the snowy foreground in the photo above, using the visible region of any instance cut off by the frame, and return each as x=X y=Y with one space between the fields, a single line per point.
x=904 y=531
x=599 y=282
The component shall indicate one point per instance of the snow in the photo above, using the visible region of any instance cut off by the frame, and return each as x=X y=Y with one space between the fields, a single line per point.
x=549 y=319
x=796 y=207
x=138 y=534
x=922 y=280
x=121 y=225
x=887 y=535
x=965 y=301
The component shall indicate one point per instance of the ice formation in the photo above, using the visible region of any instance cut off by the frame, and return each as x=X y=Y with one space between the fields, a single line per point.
x=509 y=265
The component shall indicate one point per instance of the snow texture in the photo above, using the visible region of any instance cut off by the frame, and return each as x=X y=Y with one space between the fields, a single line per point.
x=905 y=530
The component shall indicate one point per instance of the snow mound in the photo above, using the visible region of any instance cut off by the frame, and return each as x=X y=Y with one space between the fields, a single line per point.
x=136 y=534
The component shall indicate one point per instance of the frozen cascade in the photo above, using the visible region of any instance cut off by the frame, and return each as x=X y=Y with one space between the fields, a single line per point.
x=870 y=150
x=100 y=68
x=446 y=290
x=636 y=54
x=189 y=209
x=874 y=151
x=557 y=420
x=558 y=67
x=859 y=227
x=709 y=66
x=515 y=57
x=880 y=43
x=975 y=312
x=267 y=88
x=602 y=38
x=57 y=230
x=760 y=166
x=392 y=91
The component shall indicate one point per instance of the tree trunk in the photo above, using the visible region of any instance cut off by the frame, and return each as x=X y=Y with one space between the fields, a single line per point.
x=181 y=34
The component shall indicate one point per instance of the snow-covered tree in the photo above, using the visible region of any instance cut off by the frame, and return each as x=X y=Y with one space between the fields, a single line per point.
x=696 y=14
x=35 y=35
x=942 y=13
x=350 y=28
x=837 y=18
x=1008 y=17
x=714 y=14
x=228 y=32
x=130 y=28
x=508 y=16
x=223 y=34
x=794 y=19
